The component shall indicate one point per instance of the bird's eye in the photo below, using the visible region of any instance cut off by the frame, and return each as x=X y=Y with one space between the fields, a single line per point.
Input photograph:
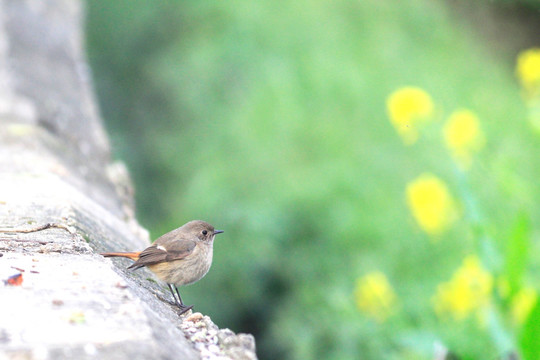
x=204 y=232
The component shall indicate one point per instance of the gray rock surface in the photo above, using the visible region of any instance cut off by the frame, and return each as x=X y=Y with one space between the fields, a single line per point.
x=58 y=298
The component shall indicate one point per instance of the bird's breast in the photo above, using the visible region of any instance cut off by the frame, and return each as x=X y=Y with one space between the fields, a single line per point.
x=188 y=270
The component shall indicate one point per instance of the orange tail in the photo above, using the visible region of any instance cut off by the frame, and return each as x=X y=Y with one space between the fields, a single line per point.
x=130 y=255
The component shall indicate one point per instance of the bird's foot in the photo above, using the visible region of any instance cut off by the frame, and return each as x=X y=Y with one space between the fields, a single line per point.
x=184 y=308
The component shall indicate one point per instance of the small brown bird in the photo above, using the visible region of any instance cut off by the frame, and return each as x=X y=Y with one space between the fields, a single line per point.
x=180 y=257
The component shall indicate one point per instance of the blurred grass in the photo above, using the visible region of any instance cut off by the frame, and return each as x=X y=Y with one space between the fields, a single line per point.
x=268 y=120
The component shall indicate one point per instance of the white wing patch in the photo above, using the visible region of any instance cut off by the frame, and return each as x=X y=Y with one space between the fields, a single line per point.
x=159 y=247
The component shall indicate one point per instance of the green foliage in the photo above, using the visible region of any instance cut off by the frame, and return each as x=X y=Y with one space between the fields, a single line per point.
x=517 y=253
x=530 y=341
x=268 y=120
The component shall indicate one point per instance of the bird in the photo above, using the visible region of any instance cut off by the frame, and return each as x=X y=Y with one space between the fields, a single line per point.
x=180 y=257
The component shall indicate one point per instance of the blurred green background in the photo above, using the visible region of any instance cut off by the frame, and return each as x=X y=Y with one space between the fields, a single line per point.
x=268 y=120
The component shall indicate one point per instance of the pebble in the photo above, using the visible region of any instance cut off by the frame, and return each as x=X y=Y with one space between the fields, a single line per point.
x=194 y=317
x=213 y=343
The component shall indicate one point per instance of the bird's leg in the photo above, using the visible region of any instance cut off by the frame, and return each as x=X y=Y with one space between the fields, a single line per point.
x=178 y=299
x=184 y=308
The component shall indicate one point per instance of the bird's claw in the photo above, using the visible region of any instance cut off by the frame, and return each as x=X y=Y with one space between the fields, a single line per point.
x=184 y=308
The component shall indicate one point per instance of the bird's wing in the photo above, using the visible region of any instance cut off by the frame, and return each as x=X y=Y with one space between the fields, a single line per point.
x=164 y=250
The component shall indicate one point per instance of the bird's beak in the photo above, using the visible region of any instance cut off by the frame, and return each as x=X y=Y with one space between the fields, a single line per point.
x=218 y=232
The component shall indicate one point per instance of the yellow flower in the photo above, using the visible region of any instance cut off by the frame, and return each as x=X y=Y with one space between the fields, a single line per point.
x=374 y=296
x=431 y=204
x=522 y=304
x=409 y=108
x=469 y=290
x=528 y=68
x=463 y=136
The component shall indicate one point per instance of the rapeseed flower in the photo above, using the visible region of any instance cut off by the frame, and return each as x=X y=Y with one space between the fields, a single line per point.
x=528 y=69
x=522 y=304
x=409 y=108
x=468 y=291
x=431 y=204
x=374 y=296
x=463 y=136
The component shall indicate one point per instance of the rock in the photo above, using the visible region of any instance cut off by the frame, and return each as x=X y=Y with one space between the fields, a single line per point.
x=62 y=200
x=214 y=343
